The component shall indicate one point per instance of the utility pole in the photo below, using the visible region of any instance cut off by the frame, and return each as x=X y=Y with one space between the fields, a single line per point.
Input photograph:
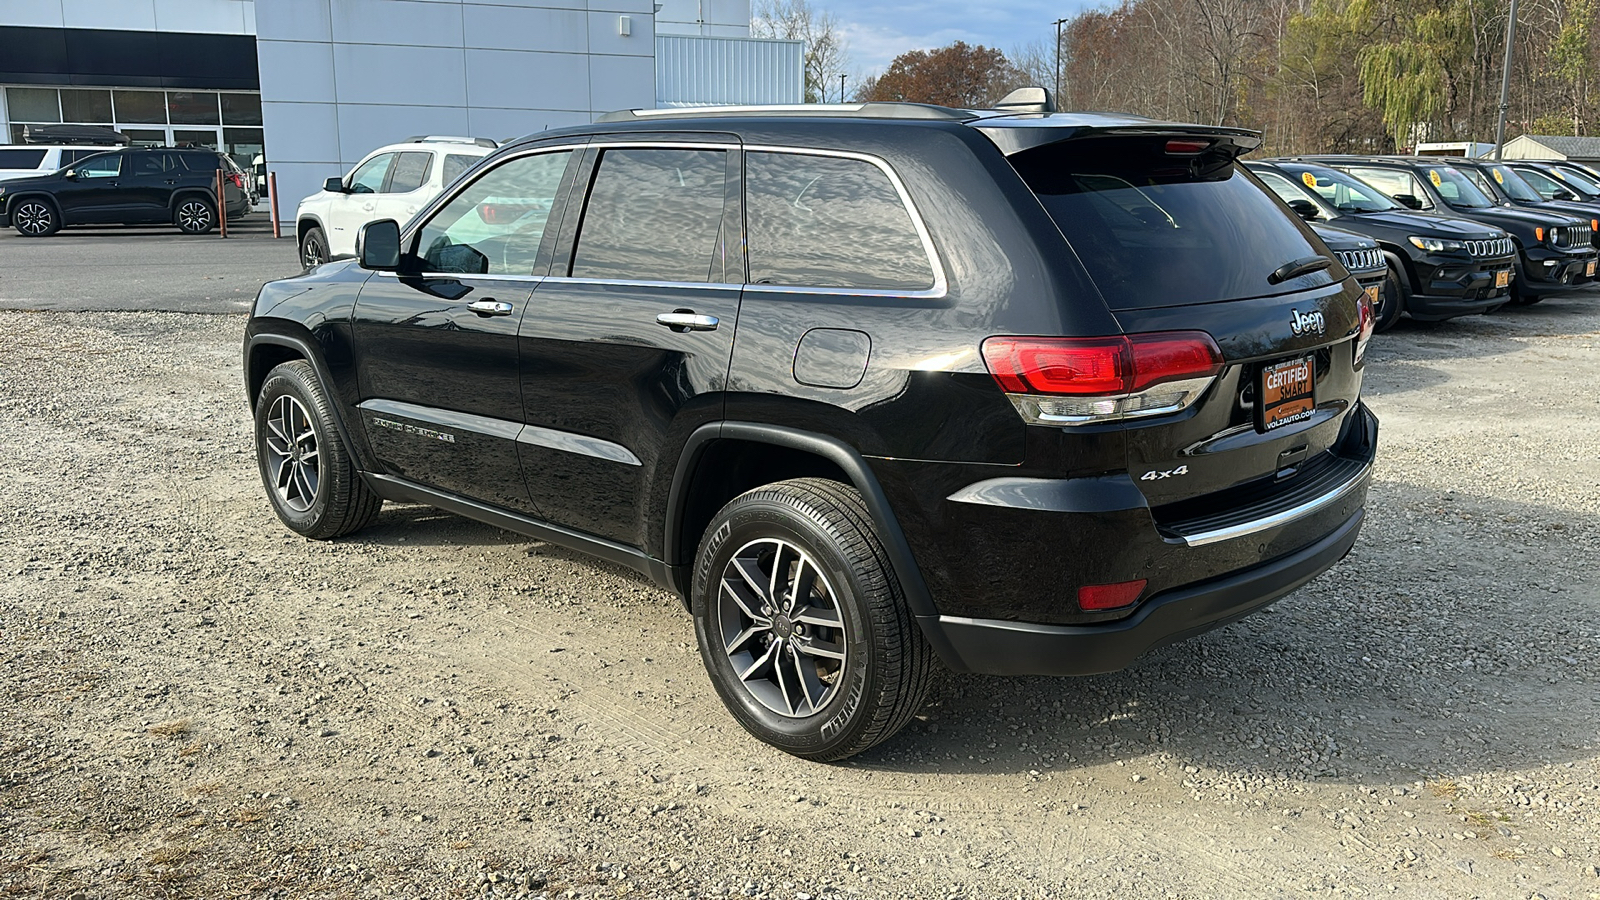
x=1057 y=96
x=841 y=87
x=1505 y=82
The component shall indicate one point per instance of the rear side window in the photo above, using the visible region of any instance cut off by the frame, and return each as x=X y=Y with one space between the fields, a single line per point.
x=455 y=164
x=68 y=157
x=410 y=172
x=654 y=214
x=1157 y=230
x=823 y=221
x=21 y=159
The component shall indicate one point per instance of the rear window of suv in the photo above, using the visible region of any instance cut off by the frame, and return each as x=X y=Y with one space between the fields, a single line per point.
x=21 y=159
x=1155 y=230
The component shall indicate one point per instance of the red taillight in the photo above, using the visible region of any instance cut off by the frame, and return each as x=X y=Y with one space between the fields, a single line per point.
x=1110 y=596
x=1099 y=367
x=237 y=179
x=1179 y=148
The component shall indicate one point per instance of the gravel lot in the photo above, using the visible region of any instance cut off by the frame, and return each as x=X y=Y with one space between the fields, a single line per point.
x=200 y=704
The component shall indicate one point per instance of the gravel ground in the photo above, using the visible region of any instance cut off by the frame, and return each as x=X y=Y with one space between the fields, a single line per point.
x=197 y=703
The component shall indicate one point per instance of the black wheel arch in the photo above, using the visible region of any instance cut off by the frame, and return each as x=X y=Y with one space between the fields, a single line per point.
x=12 y=200
x=181 y=194
x=302 y=224
x=266 y=347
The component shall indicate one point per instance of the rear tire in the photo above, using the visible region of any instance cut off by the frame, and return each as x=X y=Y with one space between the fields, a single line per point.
x=313 y=248
x=1392 y=298
x=35 y=218
x=309 y=474
x=195 y=215
x=802 y=624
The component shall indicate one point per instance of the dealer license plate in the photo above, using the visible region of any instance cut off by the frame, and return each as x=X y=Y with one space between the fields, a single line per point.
x=1372 y=295
x=1288 y=392
x=1591 y=269
x=1503 y=278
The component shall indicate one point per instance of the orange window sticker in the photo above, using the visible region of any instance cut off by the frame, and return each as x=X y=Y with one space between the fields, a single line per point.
x=1500 y=179
x=1309 y=179
x=1433 y=176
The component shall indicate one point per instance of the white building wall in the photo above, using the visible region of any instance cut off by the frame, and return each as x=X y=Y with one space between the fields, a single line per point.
x=711 y=71
x=707 y=18
x=203 y=16
x=342 y=77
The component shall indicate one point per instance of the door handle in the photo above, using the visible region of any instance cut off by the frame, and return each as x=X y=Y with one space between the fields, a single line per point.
x=685 y=320
x=490 y=307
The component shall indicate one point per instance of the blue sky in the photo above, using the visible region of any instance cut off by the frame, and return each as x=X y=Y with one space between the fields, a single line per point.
x=880 y=30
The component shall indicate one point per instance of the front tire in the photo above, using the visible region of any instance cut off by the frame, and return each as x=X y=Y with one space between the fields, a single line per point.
x=310 y=477
x=1519 y=293
x=1392 y=299
x=313 y=248
x=802 y=624
x=35 y=218
x=195 y=215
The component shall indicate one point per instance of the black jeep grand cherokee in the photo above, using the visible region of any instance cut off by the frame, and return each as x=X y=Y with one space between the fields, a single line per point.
x=868 y=386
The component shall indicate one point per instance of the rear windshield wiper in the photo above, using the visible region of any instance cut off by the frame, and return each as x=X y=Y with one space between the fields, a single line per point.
x=1295 y=268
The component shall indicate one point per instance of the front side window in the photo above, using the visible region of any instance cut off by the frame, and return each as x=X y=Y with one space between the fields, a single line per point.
x=368 y=177
x=1342 y=192
x=654 y=214
x=824 y=221
x=106 y=165
x=1457 y=190
x=495 y=225
x=1513 y=185
x=410 y=171
x=1392 y=182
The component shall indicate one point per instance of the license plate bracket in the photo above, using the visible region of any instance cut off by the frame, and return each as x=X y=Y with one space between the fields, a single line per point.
x=1590 y=273
x=1502 y=278
x=1288 y=392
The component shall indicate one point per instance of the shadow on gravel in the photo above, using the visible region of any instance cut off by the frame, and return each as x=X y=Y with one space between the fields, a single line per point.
x=1563 y=315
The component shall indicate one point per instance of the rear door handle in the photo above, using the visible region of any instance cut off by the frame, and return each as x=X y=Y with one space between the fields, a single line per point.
x=490 y=307
x=686 y=320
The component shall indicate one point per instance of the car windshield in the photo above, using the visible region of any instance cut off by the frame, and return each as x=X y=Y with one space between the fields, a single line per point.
x=1456 y=189
x=1155 y=228
x=1513 y=184
x=1343 y=192
x=1581 y=183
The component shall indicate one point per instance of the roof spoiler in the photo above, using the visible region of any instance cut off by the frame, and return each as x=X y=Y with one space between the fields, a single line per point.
x=1013 y=138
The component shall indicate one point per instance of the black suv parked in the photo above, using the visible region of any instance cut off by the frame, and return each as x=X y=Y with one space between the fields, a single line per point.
x=868 y=386
x=1506 y=186
x=127 y=187
x=1439 y=267
x=1553 y=249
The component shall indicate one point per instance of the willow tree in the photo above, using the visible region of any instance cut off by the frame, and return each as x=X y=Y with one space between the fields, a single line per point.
x=1409 y=76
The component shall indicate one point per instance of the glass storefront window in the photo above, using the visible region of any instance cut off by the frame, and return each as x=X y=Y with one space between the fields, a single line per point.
x=86 y=107
x=241 y=109
x=33 y=105
x=193 y=108
x=143 y=107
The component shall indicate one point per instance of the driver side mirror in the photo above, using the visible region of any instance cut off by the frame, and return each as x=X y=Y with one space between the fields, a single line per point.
x=1305 y=209
x=334 y=185
x=70 y=174
x=378 y=245
x=1409 y=201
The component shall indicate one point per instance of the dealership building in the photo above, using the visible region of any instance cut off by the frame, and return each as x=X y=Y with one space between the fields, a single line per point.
x=314 y=85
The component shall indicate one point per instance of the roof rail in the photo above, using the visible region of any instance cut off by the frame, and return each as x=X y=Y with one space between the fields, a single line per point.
x=450 y=139
x=872 y=110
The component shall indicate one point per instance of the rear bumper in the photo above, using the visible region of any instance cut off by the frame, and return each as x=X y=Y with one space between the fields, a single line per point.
x=994 y=647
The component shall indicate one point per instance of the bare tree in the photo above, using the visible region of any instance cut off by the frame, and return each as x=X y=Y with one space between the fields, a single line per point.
x=827 y=55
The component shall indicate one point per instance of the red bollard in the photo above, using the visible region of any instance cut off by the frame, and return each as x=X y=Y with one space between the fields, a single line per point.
x=222 y=204
x=272 y=203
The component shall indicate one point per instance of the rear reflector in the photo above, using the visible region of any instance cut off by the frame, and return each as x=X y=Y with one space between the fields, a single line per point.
x=1110 y=596
x=1099 y=367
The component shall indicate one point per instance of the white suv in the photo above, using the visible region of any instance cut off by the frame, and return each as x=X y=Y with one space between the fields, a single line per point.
x=392 y=182
x=28 y=160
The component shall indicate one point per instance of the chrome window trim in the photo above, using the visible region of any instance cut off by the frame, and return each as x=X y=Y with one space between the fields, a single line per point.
x=554 y=439
x=463 y=276
x=626 y=282
x=941 y=285
x=1265 y=523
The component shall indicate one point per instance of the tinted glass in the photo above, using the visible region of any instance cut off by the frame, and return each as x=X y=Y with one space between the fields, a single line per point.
x=1545 y=185
x=368 y=177
x=68 y=157
x=1456 y=189
x=822 y=221
x=1285 y=189
x=410 y=172
x=33 y=105
x=455 y=164
x=90 y=107
x=654 y=215
x=102 y=166
x=494 y=226
x=21 y=159
x=1157 y=230
x=1584 y=185
x=148 y=164
x=1392 y=182
x=241 y=109
x=145 y=107
x=192 y=108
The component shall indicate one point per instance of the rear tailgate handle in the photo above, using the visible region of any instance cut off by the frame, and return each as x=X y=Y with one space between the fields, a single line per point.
x=490 y=307
x=687 y=320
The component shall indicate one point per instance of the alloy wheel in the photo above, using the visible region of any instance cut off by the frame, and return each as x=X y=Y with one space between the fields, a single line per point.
x=194 y=216
x=33 y=218
x=292 y=454
x=311 y=254
x=782 y=627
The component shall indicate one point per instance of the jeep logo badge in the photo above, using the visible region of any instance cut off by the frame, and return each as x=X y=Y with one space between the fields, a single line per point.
x=1307 y=323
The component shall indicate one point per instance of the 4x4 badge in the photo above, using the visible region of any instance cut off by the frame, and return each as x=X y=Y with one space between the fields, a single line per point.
x=1307 y=323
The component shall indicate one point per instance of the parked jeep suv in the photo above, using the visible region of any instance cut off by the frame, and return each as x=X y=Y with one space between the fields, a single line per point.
x=868 y=386
x=128 y=187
